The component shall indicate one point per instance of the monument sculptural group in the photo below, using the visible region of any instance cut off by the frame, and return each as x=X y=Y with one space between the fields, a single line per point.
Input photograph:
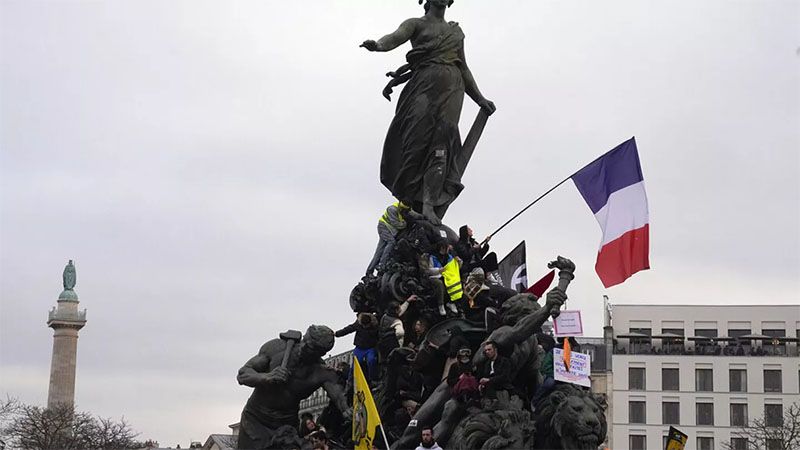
x=488 y=325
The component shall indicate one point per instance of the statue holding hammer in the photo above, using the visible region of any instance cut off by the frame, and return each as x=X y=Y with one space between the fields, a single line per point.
x=284 y=372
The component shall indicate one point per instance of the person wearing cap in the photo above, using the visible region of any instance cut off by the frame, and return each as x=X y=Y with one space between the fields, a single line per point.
x=463 y=365
x=389 y=224
x=463 y=388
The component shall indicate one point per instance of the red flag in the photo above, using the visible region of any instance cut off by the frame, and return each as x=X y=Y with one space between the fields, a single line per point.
x=540 y=287
x=567 y=353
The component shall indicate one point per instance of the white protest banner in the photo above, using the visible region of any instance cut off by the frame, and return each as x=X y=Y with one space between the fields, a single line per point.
x=579 y=368
x=568 y=323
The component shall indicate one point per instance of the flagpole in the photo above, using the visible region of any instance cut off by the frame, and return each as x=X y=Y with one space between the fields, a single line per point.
x=383 y=433
x=548 y=191
x=526 y=208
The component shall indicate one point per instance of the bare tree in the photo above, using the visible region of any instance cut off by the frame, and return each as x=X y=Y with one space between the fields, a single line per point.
x=36 y=428
x=8 y=410
x=776 y=432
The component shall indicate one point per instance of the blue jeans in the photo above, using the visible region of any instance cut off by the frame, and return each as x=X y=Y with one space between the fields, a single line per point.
x=368 y=359
x=384 y=249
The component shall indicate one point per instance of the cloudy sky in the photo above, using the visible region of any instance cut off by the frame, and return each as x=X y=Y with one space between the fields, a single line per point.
x=212 y=168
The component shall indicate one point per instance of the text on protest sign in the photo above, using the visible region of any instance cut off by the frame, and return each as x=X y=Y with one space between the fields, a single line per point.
x=579 y=369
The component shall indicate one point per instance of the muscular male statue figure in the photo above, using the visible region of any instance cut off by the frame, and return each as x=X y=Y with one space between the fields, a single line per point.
x=269 y=419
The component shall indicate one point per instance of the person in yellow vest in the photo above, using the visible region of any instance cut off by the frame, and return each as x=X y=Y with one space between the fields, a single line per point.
x=445 y=266
x=389 y=224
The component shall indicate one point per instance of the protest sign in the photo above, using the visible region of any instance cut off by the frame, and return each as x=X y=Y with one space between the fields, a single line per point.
x=579 y=368
x=568 y=323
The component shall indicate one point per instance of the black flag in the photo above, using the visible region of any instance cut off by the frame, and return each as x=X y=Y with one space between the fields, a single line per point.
x=512 y=269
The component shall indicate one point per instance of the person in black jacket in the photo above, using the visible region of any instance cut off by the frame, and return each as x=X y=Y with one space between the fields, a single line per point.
x=494 y=374
x=365 y=341
x=474 y=254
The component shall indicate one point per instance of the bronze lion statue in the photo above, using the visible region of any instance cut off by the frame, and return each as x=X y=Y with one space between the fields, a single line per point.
x=570 y=418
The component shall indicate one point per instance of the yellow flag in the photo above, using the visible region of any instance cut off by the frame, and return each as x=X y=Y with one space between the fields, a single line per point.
x=676 y=439
x=567 y=353
x=365 y=415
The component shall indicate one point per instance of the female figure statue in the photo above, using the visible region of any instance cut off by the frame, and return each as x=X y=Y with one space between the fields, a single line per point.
x=420 y=163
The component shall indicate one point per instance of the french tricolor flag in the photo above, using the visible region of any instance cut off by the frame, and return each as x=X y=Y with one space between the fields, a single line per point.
x=613 y=187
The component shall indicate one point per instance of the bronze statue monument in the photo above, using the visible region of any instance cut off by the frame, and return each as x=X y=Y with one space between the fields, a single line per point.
x=423 y=159
x=284 y=372
x=474 y=377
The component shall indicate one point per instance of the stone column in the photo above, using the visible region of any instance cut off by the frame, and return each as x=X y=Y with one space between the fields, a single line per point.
x=66 y=321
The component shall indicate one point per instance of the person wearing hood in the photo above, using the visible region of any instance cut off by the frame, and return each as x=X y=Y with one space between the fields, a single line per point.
x=474 y=254
x=365 y=341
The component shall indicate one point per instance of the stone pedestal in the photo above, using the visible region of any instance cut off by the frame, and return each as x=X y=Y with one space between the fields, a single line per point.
x=66 y=321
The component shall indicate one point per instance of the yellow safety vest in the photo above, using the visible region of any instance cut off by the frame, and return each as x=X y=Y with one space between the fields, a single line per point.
x=452 y=280
x=385 y=217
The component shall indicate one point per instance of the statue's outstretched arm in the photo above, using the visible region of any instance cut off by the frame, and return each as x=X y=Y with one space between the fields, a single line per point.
x=532 y=323
x=393 y=40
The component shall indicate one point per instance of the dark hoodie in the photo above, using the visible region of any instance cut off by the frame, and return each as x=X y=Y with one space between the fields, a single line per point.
x=366 y=331
x=468 y=250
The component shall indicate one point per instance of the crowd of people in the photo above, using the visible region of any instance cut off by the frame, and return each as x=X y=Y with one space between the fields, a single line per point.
x=419 y=276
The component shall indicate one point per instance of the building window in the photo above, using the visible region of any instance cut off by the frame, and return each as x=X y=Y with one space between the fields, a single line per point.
x=774 y=347
x=678 y=331
x=638 y=442
x=637 y=412
x=670 y=380
x=705 y=443
x=705 y=414
x=739 y=333
x=738 y=379
x=636 y=379
x=772 y=381
x=774 y=444
x=704 y=380
x=738 y=414
x=773 y=415
x=671 y=413
x=738 y=443
x=706 y=332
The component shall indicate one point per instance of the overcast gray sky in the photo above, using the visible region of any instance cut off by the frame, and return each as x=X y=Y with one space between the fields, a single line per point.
x=212 y=168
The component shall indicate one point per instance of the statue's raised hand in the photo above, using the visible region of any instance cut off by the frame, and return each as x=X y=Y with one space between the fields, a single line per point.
x=487 y=106
x=370 y=45
x=562 y=264
x=555 y=299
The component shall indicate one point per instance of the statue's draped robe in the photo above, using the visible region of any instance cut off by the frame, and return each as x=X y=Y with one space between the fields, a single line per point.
x=426 y=118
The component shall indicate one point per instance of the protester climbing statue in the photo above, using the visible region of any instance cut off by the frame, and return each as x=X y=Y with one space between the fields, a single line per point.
x=423 y=157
